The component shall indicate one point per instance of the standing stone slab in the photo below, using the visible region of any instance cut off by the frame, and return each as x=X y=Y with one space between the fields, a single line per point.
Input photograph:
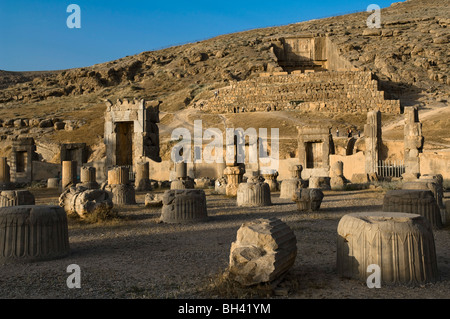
x=264 y=250
x=33 y=233
x=421 y=202
x=401 y=244
x=16 y=198
x=181 y=206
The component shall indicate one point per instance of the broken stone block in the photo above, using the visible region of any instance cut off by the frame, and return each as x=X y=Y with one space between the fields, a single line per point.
x=322 y=182
x=401 y=244
x=264 y=251
x=16 y=197
x=88 y=177
x=289 y=187
x=83 y=201
x=253 y=193
x=53 y=183
x=308 y=199
x=153 y=200
x=270 y=177
x=220 y=186
x=121 y=194
x=203 y=182
x=187 y=183
x=33 y=233
x=360 y=178
x=181 y=206
x=234 y=175
x=421 y=202
x=5 y=177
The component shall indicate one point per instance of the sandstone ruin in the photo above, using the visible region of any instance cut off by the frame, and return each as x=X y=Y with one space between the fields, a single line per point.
x=264 y=250
x=401 y=244
x=48 y=223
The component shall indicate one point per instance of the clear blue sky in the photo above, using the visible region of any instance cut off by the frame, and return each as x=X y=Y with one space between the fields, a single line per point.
x=34 y=35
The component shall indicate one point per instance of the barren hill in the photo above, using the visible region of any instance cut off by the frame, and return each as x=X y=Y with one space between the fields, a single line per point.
x=409 y=55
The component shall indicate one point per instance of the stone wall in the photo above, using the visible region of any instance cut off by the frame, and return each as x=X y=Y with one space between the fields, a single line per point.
x=346 y=91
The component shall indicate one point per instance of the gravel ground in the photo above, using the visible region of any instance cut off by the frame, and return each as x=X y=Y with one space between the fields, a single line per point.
x=135 y=256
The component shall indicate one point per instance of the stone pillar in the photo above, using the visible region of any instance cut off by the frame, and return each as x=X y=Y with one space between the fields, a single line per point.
x=337 y=180
x=234 y=176
x=88 y=177
x=270 y=178
x=5 y=177
x=296 y=171
x=32 y=233
x=119 y=175
x=181 y=206
x=122 y=192
x=253 y=193
x=412 y=201
x=16 y=198
x=413 y=140
x=372 y=137
x=142 y=181
x=401 y=244
x=69 y=174
x=181 y=170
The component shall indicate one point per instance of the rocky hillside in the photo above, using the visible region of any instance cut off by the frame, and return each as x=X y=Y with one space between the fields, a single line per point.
x=409 y=55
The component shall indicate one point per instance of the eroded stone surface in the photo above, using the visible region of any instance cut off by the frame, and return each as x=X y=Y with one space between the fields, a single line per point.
x=264 y=250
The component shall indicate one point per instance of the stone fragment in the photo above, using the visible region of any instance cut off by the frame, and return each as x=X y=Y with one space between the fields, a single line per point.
x=142 y=181
x=253 y=193
x=322 y=182
x=33 y=233
x=264 y=251
x=308 y=199
x=16 y=198
x=83 y=201
x=181 y=206
x=421 y=202
x=53 y=182
x=220 y=186
x=153 y=200
x=203 y=182
x=88 y=177
x=187 y=183
x=401 y=244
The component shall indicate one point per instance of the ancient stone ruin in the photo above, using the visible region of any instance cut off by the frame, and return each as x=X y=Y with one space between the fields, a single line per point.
x=253 y=193
x=420 y=202
x=69 y=174
x=290 y=186
x=182 y=180
x=88 y=178
x=308 y=199
x=337 y=179
x=401 y=244
x=142 y=180
x=264 y=251
x=48 y=224
x=413 y=143
x=16 y=198
x=372 y=138
x=131 y=132
x=83 y=202
x=184 y=205
x=119 y=186
x=5 y=177
x=315 y=144
x=23 y=153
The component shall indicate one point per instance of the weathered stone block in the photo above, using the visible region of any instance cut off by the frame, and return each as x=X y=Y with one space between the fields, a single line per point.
x=53 y=182
x=421 y=202
x=308 y=199
x=264 y=251
x=322 y=182
x=220 y=186
x=253 y=193
x=83 y=201
x=16 y=198
x=153 y=200
x=33 y=233
x=401 y=244
x=181 y=206
x=187 y=183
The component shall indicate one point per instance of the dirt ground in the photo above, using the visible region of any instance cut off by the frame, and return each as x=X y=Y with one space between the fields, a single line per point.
x=136 y=256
